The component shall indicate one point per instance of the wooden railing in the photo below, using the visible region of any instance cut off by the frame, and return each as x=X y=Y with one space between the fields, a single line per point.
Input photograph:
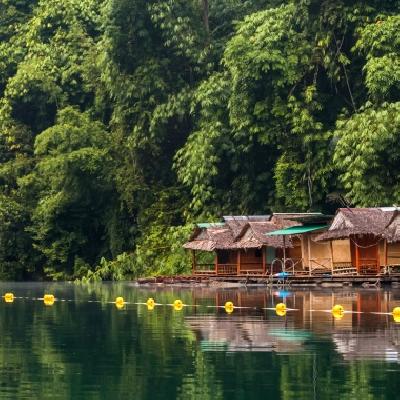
x=368 y=266
x=344 y=268
x=226 y=269
x=205 y=269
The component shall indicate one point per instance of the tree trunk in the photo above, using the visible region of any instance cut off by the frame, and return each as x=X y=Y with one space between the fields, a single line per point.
x=205 y=17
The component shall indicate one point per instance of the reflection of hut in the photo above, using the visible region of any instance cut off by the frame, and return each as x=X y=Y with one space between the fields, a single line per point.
x=245 y=333
x=364 y=346
x=239 y=244
x=363 y=229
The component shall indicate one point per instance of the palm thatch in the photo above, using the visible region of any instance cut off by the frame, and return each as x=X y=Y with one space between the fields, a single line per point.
x=392 y=231
x=236 y=234
x=210 y=239
x=254 y=236
x=357 y=221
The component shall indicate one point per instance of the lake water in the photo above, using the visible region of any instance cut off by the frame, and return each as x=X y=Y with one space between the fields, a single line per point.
x=86 y=348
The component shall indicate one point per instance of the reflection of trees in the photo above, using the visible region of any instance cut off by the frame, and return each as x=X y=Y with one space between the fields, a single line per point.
x=92 y=348
x=78 y=346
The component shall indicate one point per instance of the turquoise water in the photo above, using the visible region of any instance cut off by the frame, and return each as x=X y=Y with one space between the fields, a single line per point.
x=88 y=349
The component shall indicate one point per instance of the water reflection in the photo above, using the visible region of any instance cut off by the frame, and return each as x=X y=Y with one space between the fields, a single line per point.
x=358 y=335
x=91 y=350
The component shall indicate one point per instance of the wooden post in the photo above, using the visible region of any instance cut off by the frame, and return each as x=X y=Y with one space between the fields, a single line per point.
x=264 y=256
x=284 y=254
x=386 y=254
x=193 y=262
x=357 y=258
x=309 y=253
x=378 y=260
x=238 y=262
x=216 y=263
x=331 y=247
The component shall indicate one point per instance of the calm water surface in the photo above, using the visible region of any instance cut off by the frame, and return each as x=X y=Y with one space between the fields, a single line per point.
x=88 y=349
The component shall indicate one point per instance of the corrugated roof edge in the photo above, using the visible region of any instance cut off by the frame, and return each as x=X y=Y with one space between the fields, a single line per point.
x=246 y=217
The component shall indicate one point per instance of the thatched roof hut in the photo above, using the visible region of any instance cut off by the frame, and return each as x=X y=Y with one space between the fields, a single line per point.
x=239 y=232
x=358 y=221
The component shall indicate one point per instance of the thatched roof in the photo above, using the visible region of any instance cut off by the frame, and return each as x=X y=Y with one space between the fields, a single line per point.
x=238 y=234
x=358 y=221
x=238 y=224
x=392 y=231
x=210 y=239
x=255 y=236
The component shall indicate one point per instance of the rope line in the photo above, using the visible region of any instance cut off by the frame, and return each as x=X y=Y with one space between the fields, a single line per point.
x=281 y=309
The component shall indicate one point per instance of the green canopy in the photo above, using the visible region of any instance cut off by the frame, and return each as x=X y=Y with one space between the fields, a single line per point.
x=296 y=230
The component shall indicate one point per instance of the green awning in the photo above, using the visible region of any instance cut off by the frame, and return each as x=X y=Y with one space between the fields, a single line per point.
x=296 y=230
x=205 y=225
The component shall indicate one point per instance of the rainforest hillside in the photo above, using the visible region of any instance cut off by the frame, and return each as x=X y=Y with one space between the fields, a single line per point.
x=123 y=122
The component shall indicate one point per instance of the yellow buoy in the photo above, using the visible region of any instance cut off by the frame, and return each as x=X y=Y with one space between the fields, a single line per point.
x=396 y=314
x=229 y=307
x=178 y=305
x=280 y=309
x=338 y=311
x=9 y=297
x=119 y=302
x=48 y=299
x=150 y=304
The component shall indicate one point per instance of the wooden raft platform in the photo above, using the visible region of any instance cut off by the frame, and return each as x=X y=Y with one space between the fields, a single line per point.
x=303 y=280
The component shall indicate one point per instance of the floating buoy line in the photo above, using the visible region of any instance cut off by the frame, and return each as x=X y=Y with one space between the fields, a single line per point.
x=337 y=311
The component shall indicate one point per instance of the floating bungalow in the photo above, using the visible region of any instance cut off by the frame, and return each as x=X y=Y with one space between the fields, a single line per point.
x=256 y=245
x=356 y=241
x=372 y=235
x=239 y=245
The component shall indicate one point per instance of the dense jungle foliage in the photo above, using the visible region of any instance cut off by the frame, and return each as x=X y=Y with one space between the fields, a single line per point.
x=123 y=122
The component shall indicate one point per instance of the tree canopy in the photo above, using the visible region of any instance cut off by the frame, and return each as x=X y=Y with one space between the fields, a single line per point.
x=122 y=123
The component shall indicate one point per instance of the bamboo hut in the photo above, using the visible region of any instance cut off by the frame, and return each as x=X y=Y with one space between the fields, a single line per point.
x=362 y=232
x=239 y=245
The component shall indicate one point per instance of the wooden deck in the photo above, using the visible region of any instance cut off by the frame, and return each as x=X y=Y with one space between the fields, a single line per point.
x=259 y=279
